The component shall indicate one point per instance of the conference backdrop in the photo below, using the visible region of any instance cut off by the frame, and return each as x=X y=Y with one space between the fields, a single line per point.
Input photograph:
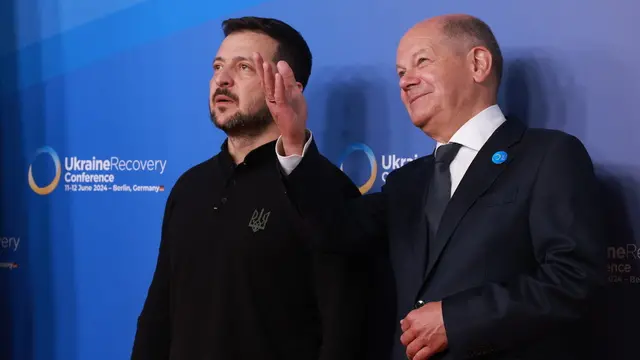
x=104 y=104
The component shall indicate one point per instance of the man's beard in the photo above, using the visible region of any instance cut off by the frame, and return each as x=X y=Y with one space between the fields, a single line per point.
x=242 y=124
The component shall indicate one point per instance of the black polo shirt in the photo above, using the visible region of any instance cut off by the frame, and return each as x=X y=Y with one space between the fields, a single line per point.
x=236 y=278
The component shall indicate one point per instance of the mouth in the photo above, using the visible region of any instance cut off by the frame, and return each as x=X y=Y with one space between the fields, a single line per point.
x=223 y=100
x=416 y=97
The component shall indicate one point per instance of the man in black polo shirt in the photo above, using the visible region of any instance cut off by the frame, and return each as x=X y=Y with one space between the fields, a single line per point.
x=236 y=277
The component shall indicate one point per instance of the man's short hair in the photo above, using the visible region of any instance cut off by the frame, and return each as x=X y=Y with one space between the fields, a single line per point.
x=477 y=33
x=292 y=47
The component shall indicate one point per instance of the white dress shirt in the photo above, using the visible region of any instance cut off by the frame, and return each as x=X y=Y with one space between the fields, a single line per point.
x=472 y=136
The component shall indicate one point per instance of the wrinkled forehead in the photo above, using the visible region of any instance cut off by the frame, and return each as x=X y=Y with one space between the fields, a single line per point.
x=428 y=39
x=244 y=44
x=416 y=41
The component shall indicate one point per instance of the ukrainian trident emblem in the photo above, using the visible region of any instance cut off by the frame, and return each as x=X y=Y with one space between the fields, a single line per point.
x=259 y=220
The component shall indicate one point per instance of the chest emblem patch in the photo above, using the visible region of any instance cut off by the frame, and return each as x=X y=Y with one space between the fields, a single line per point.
x=259 y=220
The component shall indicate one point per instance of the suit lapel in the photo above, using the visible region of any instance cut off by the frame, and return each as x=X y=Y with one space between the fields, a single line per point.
x=480 y=175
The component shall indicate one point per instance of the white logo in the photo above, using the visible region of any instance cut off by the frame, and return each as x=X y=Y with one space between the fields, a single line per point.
x=259 y=220
x=624 y=263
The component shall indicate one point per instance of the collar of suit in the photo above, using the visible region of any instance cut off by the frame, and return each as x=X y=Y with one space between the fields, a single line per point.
x=475 y=132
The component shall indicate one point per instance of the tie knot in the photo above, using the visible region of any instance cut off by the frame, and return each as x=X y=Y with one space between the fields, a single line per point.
x=446 y=153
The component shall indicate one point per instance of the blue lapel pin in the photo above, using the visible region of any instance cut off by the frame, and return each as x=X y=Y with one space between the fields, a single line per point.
x=499 y=157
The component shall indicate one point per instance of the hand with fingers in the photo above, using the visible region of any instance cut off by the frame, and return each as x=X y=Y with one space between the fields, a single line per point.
x=286 y=103
x=423 y=332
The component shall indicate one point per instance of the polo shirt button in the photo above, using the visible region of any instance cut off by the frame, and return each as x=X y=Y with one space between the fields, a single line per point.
x=224 y=200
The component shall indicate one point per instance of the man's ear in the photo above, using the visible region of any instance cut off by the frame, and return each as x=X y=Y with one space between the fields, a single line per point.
x=299 y=84
x=480 y=63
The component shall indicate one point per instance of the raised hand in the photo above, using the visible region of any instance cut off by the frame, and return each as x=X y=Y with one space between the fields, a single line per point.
x=286 y=103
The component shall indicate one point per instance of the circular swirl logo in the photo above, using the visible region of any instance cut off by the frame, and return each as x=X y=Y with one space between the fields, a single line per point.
x=45 y=190
x=364 y=188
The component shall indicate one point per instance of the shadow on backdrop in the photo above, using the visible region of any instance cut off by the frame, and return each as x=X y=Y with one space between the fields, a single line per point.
x=354 y=109
x=10 y=158
x=41 y=309
x=351 y=107
x=538 y=90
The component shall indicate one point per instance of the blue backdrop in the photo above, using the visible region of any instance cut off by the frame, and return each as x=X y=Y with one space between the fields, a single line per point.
x=116 y=92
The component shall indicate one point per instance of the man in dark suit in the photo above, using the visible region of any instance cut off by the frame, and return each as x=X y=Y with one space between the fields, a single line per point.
x=495 y=240
x=236 y=278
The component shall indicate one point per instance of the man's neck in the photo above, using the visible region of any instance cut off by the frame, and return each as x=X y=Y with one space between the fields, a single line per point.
x=450 y=126
x=240 y=146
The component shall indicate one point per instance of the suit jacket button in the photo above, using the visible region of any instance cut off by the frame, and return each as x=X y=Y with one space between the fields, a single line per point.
x=419 y=304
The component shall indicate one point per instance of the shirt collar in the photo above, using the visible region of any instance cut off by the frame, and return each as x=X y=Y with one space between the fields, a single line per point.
x=255 y=157
x=475 y=132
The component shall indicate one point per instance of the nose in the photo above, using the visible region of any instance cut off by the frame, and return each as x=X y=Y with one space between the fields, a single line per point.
x=223 y=78
x=408 y=80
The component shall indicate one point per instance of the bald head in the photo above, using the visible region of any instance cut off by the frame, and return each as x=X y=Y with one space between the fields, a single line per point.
x=471 y=32
x=450 y=69
x=464 y=32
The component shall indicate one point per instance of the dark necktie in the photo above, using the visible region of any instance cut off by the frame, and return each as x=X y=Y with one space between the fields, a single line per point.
x=439 y=191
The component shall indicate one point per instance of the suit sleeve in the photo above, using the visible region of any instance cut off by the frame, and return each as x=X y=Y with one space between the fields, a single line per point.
x=341 y=285
x=152 y=339
x=568 y=243
x=343 y=227
x=348 y=225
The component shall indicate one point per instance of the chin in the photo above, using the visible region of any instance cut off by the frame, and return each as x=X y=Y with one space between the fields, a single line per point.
x=420 y=120
x=223 y=117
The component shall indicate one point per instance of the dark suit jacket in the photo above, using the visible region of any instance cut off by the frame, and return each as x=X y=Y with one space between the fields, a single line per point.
x=520 y=250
